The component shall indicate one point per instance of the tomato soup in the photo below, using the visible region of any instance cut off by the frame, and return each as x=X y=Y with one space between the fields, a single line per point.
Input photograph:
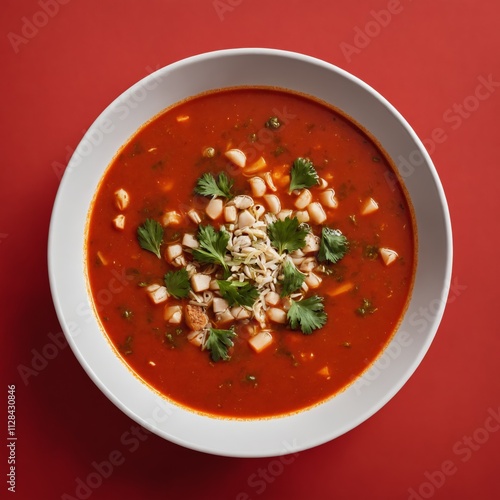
x=250 y=252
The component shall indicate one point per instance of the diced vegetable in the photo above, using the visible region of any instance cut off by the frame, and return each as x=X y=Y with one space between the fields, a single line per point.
x=369 y=206
x=200 y=282
x=214 y=208
x=157 y=293
x=261 y=340
x=173 y=251
x=189 y=240
x=388 y=255
x=173 y=314
x=119 y=222
x=122 y=199
x=171 y=218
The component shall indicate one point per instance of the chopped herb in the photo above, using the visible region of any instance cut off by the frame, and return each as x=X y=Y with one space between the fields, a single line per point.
x=207 y=185
x=150 y=236
x=365 y=308
x=287 y=235
x=279 y=150
x=212 y=246
x=127 y=346
x=219 y=342
x=333 y=246
x=238 y=293
x=127 y=314
x=308 y=314
x=177 y=283
x=376 y=159
x=292 y=279
x=142 y=284
x=273 y=122
x=303 y=174
x=169 y=339
x=370 y=252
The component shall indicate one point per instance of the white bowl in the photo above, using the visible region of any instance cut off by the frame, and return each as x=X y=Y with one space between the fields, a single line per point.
x=228 y=68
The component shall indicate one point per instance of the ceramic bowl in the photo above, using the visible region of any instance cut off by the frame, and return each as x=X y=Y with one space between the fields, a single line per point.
x=66 y=256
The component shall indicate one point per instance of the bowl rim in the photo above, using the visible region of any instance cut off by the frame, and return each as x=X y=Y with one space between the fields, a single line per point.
x=244 y=448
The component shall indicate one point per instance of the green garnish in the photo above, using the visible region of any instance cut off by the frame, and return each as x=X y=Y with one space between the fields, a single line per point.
x=370 y=252
x=238 y=293
x=287 y=235
x=273 y=122
x=333 y=246
x=308 y=314
x=150 y=236
x=212 y=246
x=219 y=342
x=177 y=283
x=365 y=308
x=292 y=279
x=303 y=174
x=207 y=185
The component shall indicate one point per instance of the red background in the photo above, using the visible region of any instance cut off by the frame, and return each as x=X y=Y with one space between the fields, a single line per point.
x=438 y=437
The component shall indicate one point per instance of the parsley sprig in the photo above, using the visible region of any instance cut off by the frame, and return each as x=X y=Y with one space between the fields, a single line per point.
x=208 y=185
x=150 y=236
x=177 y=283
x=333 y=245
x=303 y=174
x=292 y=279
x=219 y=342
x=213 y=246
x=238 y=293
x=287 y=235
x=307 y=315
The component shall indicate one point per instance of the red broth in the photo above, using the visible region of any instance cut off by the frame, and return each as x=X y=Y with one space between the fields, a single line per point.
x=364 y=298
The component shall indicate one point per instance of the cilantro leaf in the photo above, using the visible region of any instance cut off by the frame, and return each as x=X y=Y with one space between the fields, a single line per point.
x=303 y=174
x=287 y=235
x=177 y=283
x=212 y=246
x=207 y=185
x=333 y=245
x=150 y=236
x=238 y=293
x=292 y=279
x=307 y=314
x=218 y=343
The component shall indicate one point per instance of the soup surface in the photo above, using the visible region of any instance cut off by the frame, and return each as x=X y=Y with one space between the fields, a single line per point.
x=250 y=252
